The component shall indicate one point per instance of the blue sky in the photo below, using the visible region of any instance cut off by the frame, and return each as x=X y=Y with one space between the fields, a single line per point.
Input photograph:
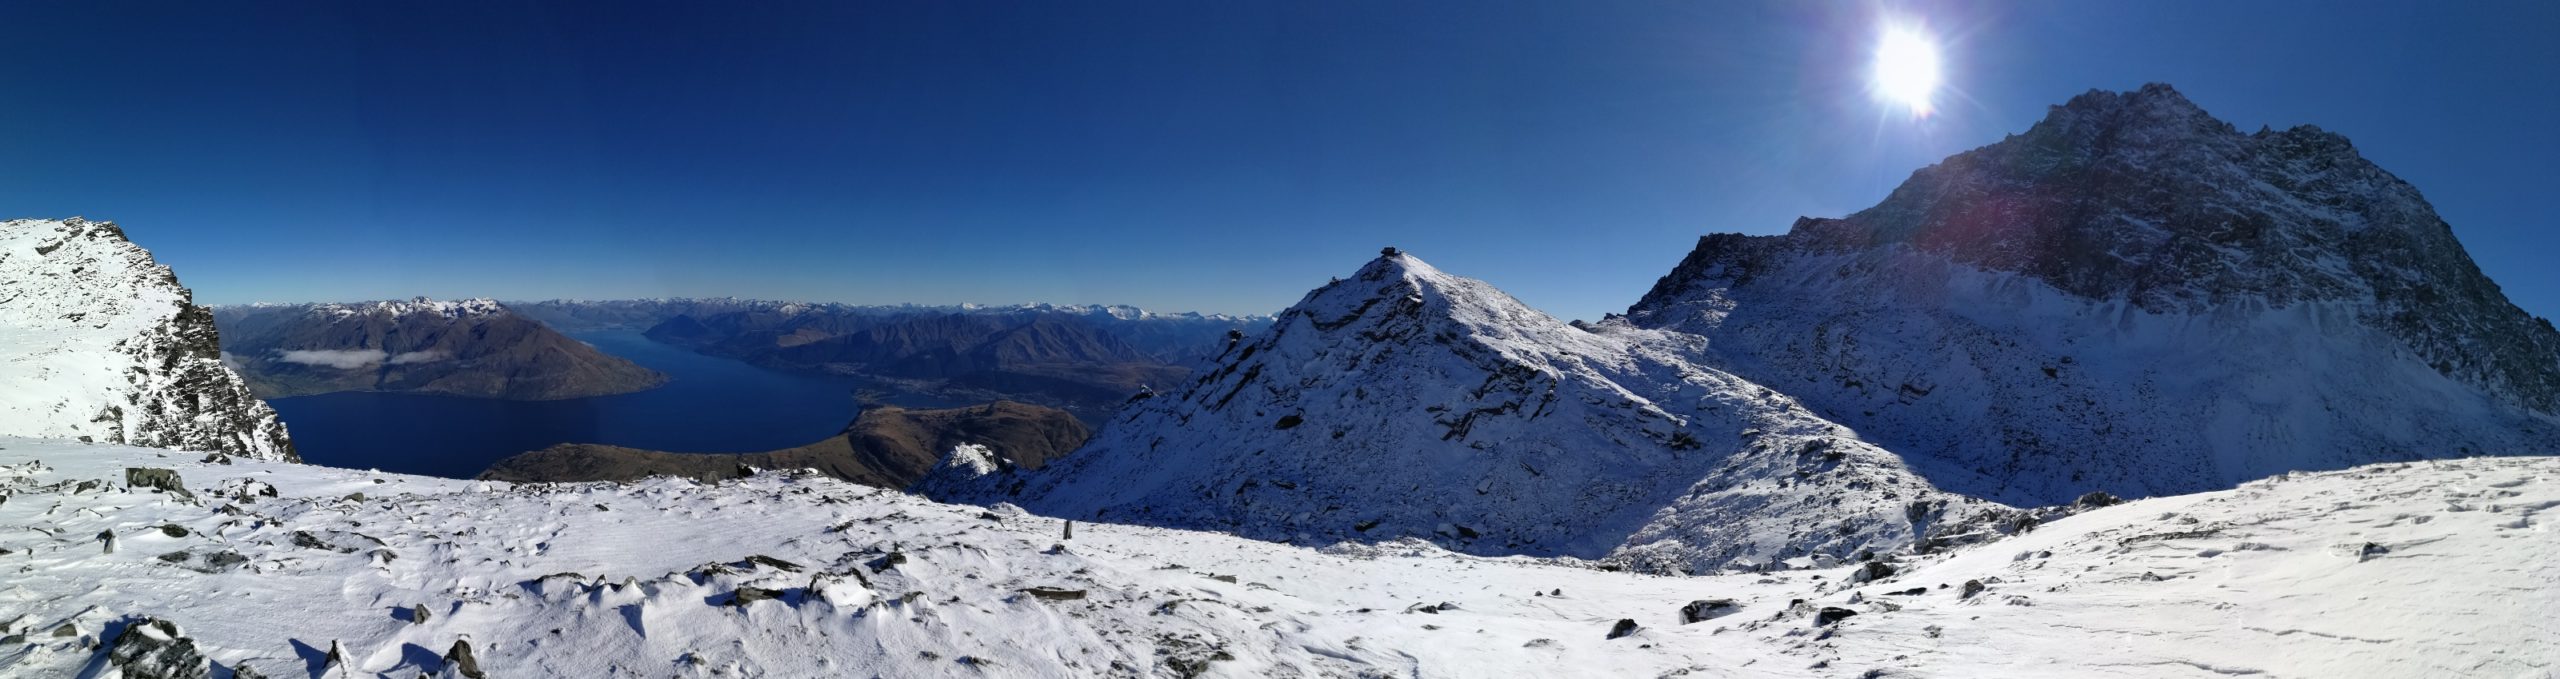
x=1216 y=156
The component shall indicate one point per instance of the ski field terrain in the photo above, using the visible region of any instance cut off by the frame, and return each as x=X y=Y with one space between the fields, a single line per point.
x=2425 y=569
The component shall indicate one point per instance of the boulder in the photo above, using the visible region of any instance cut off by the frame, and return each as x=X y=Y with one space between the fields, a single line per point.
x=1832 y=614
x=1707 y=609
x=150 y=648
x=459 y=660
x=164 y=480
x=1623 y=628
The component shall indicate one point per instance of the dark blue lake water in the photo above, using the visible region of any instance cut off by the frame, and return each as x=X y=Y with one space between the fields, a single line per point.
x=712 y=405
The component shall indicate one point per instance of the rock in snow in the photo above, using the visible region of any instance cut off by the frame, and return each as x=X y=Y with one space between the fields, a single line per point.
x=99 y=342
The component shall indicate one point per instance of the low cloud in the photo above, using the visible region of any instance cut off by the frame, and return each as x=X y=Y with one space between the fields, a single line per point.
x=348 y=359
x=408 y=357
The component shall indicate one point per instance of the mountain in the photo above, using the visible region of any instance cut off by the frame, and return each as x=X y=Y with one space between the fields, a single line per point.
x=1404 y=401
x=2420 y=570
x=2131 y=296
x=1087 y=360
x=100 y=343
x=886 y=446
x=465 y=348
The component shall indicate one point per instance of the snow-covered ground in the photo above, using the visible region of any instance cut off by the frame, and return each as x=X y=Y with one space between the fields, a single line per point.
x=2416 y=570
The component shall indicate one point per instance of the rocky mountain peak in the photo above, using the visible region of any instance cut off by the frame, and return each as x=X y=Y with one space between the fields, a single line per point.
x=100 y=343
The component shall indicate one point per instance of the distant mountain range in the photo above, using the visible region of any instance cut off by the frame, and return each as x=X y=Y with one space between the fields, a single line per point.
x=887 y=446
x=1086 y=359
x=465 y=348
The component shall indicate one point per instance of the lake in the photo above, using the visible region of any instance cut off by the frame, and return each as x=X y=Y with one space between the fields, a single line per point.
x=710 y=405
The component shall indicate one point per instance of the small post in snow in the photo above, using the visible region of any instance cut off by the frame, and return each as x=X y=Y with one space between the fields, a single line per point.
x=1071 y=530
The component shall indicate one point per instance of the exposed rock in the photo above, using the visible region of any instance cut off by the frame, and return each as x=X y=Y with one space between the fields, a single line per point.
x=143 y=361
x=460 y=660
x=1971 y=587
x=1832 y=614
x=1706 y=611
x=1624 y=627
x=1055 y=594
x=165 y=480
x=150 y=648
x=749 y=595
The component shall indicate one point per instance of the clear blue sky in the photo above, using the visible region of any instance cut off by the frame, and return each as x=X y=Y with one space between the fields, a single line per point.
x=1218 y=156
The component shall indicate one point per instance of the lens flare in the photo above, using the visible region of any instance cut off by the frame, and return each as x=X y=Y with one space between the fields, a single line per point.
x=1906 y=69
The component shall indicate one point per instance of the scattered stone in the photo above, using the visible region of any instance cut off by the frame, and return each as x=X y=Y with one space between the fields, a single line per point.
x=1623 y=628
x=1832 y=614
x=768 y=561
x=1364 y=526
x=418 y=614
x=1288 y=422
x=461 y=661
x=66 y=630
x=1229 y=579
x=1708 y=609
x=2096 y=499
x=357 y=497
x=1872 y=571
x=158 y=479
x=891 y=560
x=150 y=648
x=2371 y=551
x=749 y=595
x=1971 y=587
x=215 y=458
x=2151 y=577
x=1055 y=594
x=1915 y=591
x=173 y=530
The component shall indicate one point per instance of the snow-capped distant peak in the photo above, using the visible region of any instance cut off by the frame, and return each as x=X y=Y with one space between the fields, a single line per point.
x=477 y=306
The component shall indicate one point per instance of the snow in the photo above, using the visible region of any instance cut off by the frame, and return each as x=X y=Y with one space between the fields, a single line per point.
x=99 y=341
x=604 y=580
x=1408 y=402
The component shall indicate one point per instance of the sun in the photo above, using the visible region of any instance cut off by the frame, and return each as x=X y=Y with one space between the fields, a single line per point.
x=1906 y=69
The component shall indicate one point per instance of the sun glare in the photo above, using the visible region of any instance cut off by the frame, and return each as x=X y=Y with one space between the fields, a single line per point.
x=1906 y=70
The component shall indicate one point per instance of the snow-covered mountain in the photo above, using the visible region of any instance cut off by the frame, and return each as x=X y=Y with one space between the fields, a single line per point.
x=2429 y=569
x=100 y=343
x=1404 y=401
x=473 y=347
x=2132 y=296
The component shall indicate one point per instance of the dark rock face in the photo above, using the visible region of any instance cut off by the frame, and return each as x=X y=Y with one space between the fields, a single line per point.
x=460 y=660
x=108 y=306
x=886 y=446
x=2137 y=296
x=153 y=649
x=1832 y=614
x=468 y=348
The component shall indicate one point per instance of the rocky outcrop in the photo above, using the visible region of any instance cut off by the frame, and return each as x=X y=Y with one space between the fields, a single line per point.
x=886 y=446
x=463 y=348
x=2134 y=296
x=99 y=343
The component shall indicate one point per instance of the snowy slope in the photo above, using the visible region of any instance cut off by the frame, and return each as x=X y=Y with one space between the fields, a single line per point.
x=601 y=580
x=2133 y=297
x=99 y=342
x=1409 y=402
